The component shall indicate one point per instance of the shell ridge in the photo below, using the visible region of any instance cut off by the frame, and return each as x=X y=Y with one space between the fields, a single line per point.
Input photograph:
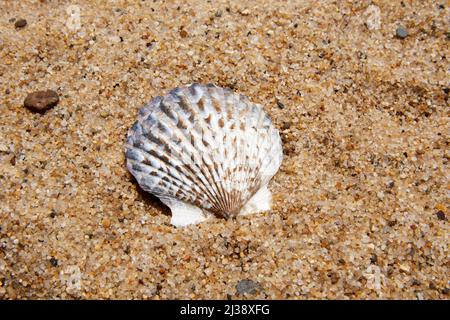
x=239 y=172
x=217 y=154
x=207 y=159
x=237 y=176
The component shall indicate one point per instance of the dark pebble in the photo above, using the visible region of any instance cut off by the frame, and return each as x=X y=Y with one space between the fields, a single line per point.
x=392 y=223
x=54 y=262
x=53 y=213
x=415 y=282
x=20 y=23
x=286 y=125
x=446 y=90
x=401 y=32
x=183 y=33
x=440 y=215
x=41 y=101
x=280 y=104
x=390 y=184
x=247 y=286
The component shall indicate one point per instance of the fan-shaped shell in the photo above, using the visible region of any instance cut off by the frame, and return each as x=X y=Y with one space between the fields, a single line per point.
x=203 y=149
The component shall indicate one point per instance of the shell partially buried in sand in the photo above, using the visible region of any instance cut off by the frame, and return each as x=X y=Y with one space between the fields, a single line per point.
x=204 y=150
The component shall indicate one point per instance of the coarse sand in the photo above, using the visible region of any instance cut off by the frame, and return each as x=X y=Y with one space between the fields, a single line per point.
x=359 y=92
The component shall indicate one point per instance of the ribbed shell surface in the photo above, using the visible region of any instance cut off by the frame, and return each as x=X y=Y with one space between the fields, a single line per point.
x=204 y=145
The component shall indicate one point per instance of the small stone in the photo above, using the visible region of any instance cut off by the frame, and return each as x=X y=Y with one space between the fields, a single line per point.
x=13 y=160
x=247 y=286
x=286 y=125
x=245 y=12
x=53 y=213
x=20 y=23
x=115 y=39
x=401 y=32
x=54 y=262
x=41 y=101
x=218 y=13
x=405 y=268
x=280 y=104
x=415 y=282
x=440 y=215
x=432 y=286
x=183 y=33
x=106 y=223
x=390 y=184
x=104 y=114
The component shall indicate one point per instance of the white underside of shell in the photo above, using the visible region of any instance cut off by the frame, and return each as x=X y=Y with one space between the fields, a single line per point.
x=184 y=214
x=204 y=150
x=261 y=201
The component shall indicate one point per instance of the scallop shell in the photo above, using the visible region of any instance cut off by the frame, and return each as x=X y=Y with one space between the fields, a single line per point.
x=204 y=150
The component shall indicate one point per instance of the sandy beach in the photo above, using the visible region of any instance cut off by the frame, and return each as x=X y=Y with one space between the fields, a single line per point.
x=358 y=90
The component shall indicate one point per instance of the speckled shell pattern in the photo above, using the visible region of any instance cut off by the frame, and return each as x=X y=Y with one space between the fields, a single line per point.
x=204 y=145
